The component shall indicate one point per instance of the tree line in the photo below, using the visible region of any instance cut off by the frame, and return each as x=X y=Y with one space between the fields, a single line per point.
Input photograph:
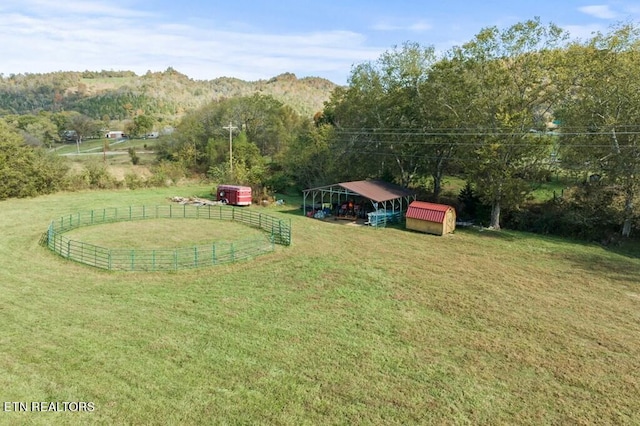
x=505 y=111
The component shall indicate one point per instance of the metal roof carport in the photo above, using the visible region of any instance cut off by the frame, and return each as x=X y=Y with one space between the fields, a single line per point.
x=383 y=195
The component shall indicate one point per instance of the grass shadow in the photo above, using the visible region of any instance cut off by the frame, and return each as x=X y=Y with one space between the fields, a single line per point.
x=611 y=265
x=489 y=233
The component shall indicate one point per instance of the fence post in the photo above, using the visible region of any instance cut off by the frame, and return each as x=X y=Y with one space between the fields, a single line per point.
x=175 y=259
x=68 y=249
x=129 y=212
x=133 y=255
x=50 y=235
x=109 y=259
x=213 y=253
x=184 y=210
x=92 y=217
x=153 y=260
x=233 y=254
x=144 y=209
x=195 y=255
x=170 y=211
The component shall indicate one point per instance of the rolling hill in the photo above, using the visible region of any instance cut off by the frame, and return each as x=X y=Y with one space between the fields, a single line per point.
x=166 y=94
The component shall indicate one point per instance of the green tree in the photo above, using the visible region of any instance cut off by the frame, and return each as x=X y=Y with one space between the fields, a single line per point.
x=509 y=92
x=310 y=158
x=26 y=171
x=600 y=114
x=393 y=113
x=142 y=124
x=202 y=137
x=83 y=127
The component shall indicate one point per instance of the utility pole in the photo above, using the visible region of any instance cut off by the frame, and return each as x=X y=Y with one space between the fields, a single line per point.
x=231 y=128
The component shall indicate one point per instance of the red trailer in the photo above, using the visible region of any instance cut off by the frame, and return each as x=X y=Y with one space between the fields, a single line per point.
x=234 y=194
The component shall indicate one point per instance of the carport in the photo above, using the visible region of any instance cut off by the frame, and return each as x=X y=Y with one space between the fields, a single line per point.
x=386 y=196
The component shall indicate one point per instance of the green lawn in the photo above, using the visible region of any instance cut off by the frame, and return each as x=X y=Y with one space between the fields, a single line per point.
x=348 y=325
x=89 y=146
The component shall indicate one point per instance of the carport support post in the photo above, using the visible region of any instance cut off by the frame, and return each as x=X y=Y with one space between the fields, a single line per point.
x=304 y=202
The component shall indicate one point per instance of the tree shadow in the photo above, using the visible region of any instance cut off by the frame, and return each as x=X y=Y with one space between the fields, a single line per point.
x=489 y=233
x=612 y=266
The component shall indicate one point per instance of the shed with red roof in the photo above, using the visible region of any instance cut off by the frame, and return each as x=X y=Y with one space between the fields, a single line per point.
x=438 y=219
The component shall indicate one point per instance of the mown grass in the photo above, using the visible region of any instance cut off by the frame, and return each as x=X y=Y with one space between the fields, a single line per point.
x=96 y=146
x=348 y=325
x=163 y=233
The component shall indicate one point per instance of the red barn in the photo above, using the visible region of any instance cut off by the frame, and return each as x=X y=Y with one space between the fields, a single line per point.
x=438 y=219
x=234 y=194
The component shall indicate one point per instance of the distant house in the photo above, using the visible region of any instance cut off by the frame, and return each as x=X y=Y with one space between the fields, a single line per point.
x=70 y=135
x=115 y=134
x=438 y=219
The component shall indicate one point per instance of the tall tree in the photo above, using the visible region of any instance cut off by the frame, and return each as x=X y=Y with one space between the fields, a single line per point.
x=383 y=114
x=601 y=114
x=510 y=92
x=83 y=126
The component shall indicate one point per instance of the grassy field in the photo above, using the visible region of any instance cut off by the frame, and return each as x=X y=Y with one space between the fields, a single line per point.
x=349 y=325
x=162 y=233
x=96 y=146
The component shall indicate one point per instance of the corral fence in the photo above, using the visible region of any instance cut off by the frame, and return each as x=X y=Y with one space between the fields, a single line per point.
x=277 y=231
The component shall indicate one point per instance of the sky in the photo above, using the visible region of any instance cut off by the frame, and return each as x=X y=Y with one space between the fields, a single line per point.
x=259 y=39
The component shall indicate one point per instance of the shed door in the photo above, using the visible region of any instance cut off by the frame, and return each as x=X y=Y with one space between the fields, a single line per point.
x=451 y=222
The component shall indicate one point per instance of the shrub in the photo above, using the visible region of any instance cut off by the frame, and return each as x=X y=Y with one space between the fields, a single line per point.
x=134 y=156
x=166 y=173
x=134 y=181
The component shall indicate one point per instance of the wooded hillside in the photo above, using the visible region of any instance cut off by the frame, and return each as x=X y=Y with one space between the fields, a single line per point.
x=167 y=94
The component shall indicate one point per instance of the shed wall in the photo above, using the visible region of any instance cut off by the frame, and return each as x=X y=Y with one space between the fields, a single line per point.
x=450 y=222
x=425 y=226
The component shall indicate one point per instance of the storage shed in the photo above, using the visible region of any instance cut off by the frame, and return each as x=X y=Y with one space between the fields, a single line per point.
x=438 y=219
x=234 y=194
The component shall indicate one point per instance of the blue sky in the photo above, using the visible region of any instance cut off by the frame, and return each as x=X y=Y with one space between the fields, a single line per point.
x=259 y=39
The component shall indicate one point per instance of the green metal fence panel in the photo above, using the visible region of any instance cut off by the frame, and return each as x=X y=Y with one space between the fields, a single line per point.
x=278 y=232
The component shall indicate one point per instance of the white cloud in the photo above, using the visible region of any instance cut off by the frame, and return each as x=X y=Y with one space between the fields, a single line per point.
x=599 y=11
x=113 y=38
x=419 y=26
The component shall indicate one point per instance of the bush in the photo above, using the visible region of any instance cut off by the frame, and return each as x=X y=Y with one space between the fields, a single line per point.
x=134 y=181
x=134 y=156
x=166 y=173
